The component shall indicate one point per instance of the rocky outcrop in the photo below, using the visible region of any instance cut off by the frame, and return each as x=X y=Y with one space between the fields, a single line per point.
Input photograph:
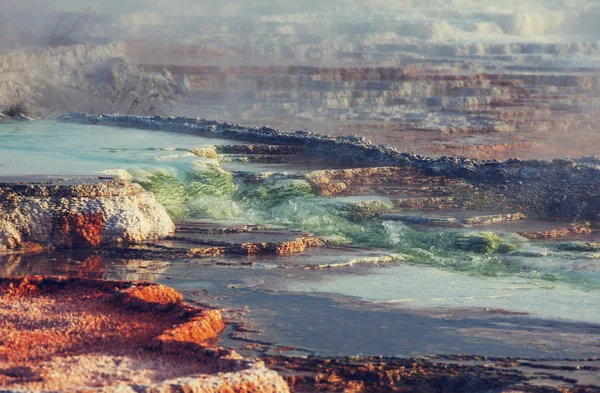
x=78 y=213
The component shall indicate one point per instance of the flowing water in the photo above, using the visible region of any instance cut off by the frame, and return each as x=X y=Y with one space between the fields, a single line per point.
x=407 y=290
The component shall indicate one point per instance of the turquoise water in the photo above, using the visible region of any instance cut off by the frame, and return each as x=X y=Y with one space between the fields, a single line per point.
x=53 y=148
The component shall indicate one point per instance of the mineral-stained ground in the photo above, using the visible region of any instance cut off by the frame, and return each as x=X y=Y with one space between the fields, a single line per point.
x=74 y=334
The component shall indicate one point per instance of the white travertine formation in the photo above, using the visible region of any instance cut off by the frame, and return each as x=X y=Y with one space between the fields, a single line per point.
x=78 y=214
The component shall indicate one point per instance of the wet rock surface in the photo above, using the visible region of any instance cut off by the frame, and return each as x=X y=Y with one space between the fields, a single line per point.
x=436 y=373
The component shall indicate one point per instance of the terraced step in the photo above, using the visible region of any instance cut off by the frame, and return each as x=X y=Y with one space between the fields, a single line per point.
x=215 y=239
x=236 y=244
x=365 y=206
x=406 y=187
x=456 y=219
x=284 y=150
x=427 y=203
x=380 y=175
x=314 y=258
x=207 y=226
x=256 y=158
x=425 y=190
x=535 y=229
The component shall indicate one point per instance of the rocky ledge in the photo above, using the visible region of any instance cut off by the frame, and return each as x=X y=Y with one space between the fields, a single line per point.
x=77 y=212
x=435 y=374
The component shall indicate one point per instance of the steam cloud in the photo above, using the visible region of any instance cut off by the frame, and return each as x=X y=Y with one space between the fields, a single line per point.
x=262 y=21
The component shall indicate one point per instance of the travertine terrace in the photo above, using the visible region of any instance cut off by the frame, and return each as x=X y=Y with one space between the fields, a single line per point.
x=560 y=188
x=446 y=110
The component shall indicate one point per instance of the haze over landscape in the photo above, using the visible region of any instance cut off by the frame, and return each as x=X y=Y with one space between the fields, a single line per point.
x=461 y=67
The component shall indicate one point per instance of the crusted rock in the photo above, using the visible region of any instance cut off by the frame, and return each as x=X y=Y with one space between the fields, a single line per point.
x=78 y=213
